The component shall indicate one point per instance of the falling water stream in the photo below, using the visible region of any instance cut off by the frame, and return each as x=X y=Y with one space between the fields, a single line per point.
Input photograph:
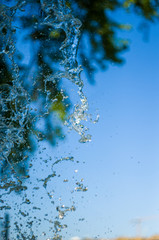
x=28 y=195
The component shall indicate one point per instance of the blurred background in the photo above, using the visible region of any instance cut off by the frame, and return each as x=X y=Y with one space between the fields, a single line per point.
x=113 y=181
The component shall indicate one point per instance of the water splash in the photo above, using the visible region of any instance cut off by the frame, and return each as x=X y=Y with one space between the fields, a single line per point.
x=15 y=115
x=13 y=98
x=63 y=19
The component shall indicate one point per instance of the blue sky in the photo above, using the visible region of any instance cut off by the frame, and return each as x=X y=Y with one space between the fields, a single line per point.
x=121 y=166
